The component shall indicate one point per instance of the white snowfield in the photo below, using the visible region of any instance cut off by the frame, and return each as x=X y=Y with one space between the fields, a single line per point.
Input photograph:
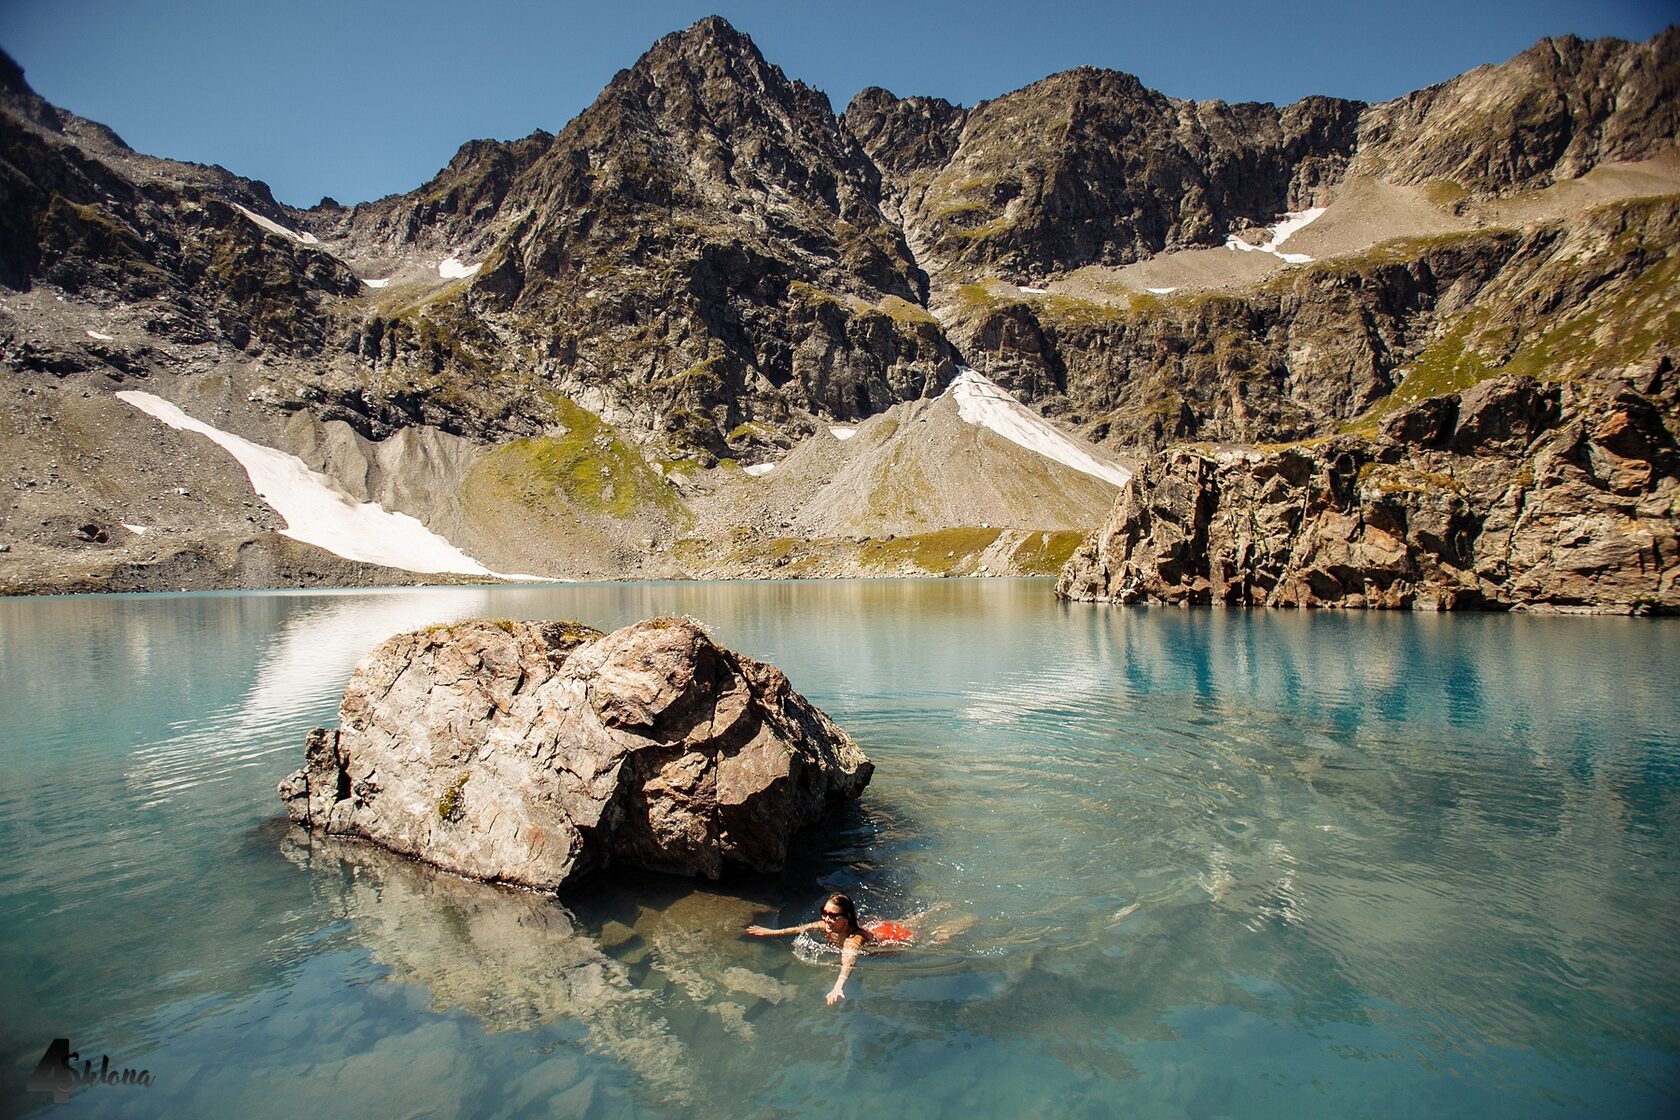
x=385 y=283
x=100 y=335
x=319 y=513
x=985 y=405
x=1162 y=291
x=842 y=433
x=1291 y=224
x=276 y=227
x=455 y=269
x=758 y=469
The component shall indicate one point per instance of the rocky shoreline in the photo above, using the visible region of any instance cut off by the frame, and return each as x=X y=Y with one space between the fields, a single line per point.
x=1512 y=495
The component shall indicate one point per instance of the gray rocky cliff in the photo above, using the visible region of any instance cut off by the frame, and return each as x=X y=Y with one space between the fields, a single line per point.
x=1316 y=348
x=1090 y=167
x=702 y=248
x=539 y=753
x=1508 y=495
x=175 y=243
x=1554 y=112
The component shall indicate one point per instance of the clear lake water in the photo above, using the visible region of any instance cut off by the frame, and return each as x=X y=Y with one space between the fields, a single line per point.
x=1185 y=863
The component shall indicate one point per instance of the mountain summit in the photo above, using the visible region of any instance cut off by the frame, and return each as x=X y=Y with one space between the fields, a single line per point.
x=567 y=346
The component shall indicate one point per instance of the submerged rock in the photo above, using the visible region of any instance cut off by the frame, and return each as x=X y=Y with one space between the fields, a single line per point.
x=537 y=753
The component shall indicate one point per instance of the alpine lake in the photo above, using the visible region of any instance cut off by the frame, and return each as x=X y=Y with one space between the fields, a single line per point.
x=1182 y=863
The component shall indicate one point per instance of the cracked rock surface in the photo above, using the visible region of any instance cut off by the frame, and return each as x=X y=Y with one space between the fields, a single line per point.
x=537 y=753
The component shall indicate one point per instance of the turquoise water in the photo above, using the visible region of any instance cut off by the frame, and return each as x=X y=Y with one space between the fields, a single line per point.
x=1196 y=863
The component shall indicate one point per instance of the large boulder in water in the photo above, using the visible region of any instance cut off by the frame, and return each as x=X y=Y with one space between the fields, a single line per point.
x=537 y=753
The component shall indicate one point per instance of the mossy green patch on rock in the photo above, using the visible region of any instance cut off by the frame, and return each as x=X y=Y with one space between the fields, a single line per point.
x=700 y=379
x=809 y=293
x=937 y=553
x=587 y=466
x=1448 y=365
x=750 y=432
x=1070 y=311
x=1395 y=251
x=1382 y=478
x=1444 y=192
x=983 y=231
x=449 y=806
x=903 y=311
x=1618 y=328
x=1045 y=554
x=947 y=552
x=960 y=208
x=1611 y=300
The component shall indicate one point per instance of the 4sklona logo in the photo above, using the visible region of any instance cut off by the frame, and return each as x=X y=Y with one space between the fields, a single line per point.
x=57 y=1072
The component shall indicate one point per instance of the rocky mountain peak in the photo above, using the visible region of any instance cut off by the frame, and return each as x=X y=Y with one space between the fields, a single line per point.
x=707 y=265
x=710 y=41
x=1089 y=166
x=904 y=134
x=710 y=81
x=11 y=75
x=18 y=97
x=1553 y=112
x=475 y=152
x=701 y=249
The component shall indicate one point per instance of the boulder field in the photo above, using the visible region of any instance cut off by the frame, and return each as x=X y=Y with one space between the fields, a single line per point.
x=538 y=753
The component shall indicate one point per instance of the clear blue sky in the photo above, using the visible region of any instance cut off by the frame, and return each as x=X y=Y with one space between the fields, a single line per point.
x=362 y=98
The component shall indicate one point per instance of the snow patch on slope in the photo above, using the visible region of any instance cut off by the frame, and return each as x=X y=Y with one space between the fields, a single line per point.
x=319 y=513
x=275 y=227
x=1292 y=223
x=985 y=405
x=455 y=269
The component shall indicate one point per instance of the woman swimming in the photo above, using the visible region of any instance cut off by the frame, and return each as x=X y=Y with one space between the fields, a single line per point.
x=839 y=924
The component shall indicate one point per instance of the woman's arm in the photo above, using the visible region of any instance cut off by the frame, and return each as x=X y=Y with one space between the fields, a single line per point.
x=765 y=931
x=848 y=958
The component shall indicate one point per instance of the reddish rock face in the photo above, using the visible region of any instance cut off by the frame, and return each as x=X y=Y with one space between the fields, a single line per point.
x=1548 y=498
x=538 y=753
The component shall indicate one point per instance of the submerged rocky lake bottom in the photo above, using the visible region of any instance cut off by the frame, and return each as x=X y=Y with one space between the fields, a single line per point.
x=1193 y=863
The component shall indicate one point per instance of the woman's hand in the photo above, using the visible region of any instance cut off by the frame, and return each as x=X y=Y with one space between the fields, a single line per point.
x=760 y=931
x=835 y=995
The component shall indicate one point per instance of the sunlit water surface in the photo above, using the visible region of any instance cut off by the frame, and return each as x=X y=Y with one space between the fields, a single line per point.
x=1199 y=864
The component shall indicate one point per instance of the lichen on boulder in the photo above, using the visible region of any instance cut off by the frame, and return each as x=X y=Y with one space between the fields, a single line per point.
x=539 y=753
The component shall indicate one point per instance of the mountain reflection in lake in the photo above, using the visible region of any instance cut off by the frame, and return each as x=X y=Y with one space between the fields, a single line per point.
x=1203 y=862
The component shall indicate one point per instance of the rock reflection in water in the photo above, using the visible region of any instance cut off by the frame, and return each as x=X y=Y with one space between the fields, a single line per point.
x=514 y=960
x=684 y=938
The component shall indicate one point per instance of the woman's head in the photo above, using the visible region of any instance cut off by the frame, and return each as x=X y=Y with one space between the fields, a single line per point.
x=839 y=915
